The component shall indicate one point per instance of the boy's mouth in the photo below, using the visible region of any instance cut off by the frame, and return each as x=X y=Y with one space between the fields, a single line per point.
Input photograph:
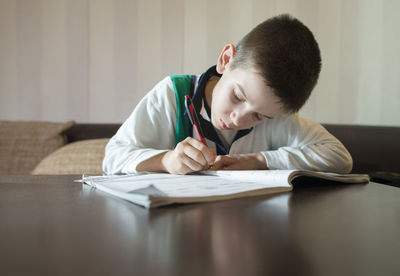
x=223 y=125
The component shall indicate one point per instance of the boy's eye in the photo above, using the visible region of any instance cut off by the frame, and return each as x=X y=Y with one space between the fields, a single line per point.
x=257 y=116
x=236 y=97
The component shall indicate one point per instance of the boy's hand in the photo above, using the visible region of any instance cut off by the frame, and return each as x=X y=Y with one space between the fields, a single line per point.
x=190 y=155
x=250 y=161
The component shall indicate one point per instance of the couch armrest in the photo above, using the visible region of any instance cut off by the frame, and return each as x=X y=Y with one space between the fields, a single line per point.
x=83 y=131
x=373 y=148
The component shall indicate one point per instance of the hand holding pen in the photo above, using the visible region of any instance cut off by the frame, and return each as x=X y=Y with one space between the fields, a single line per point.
x=191 y=154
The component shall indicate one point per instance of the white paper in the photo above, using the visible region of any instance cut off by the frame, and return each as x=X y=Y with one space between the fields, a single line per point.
x=157 y=189
x=186 y=185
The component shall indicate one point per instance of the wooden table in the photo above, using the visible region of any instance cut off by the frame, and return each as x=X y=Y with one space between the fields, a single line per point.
x=50 y=225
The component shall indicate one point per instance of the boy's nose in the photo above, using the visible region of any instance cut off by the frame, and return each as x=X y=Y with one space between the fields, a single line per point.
x=238 y=119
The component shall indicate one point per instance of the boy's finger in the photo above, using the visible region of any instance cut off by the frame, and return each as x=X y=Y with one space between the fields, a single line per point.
x=195 y=154
x=195 y=143
x=221 y=162
x=191 y=164
x=208 y=153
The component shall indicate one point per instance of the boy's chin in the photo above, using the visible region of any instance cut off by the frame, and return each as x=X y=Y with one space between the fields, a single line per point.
x=217 y=126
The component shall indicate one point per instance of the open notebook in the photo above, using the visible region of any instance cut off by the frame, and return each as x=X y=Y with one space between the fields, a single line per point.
x=158 y=189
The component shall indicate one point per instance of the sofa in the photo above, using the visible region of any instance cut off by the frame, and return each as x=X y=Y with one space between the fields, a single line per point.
x=30 y=147
x=77 y=148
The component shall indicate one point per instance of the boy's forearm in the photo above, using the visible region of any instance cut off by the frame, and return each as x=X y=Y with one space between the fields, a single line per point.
x=260 y=161
x=153 y=164
x=256 y=161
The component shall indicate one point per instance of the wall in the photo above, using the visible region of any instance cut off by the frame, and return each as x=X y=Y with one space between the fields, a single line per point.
x=93 y=60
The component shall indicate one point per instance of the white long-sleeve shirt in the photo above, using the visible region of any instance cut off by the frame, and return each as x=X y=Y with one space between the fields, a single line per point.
x=286 y=141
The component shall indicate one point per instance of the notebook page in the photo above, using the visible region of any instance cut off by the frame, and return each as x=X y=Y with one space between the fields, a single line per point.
x=186 y=185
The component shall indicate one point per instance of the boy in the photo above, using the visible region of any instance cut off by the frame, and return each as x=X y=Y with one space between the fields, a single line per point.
x=247 y=105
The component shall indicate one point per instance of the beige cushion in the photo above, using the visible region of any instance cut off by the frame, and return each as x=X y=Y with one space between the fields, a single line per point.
x=82 y=157
x=24 y=143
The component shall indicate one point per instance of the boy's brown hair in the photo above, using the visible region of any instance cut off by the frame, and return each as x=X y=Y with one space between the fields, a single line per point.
x=284 y=51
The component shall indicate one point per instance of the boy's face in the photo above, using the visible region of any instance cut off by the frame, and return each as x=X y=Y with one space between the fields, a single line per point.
x=241 y=99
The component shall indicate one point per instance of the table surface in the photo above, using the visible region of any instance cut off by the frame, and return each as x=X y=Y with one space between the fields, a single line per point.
x=50 y=225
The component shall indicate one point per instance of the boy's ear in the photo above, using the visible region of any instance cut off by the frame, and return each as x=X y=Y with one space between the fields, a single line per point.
x=225 y=58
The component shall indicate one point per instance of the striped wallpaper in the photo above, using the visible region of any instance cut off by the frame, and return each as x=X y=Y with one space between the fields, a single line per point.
x=93 y=60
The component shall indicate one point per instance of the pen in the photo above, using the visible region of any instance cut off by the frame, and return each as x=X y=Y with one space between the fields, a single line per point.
x=194 y=119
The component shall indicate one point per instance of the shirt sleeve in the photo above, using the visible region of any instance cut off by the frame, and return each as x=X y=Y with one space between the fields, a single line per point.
x=298 y=143
x=149 y=131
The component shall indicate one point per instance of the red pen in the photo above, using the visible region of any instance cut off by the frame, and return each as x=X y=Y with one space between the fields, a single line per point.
x=194 y=119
